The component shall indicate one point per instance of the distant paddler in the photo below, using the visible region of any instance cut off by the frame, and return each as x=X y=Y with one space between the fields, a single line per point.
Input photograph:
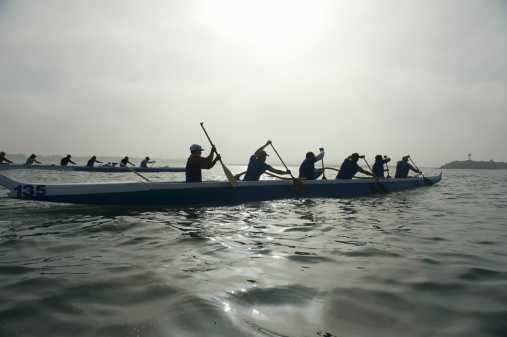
x=125 y=161
x=257 y=165
x=31 y=160
x=195 y=163
x=4 y=160
x=350 y=167
x=307 y=169
x=145 y=162
x=92 y=161
x=66 y=160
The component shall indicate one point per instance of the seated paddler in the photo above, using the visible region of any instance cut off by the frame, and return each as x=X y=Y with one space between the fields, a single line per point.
x=257 y=165
x=378 y=166
x=350 y=167
x=195 y=163
x=307 y=169
x=403 y=167
x=4 y=160
x=66 y=160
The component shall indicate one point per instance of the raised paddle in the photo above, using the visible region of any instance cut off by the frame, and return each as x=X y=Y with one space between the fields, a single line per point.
x=228 y=173
x=128 y=168
x=426 y=180
x=298 y=183
x=383 y=189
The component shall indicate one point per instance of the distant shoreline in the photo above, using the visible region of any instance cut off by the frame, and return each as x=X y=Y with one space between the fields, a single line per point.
x=477 y=165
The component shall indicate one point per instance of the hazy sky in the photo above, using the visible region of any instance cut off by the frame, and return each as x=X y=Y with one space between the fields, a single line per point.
x=128 y=77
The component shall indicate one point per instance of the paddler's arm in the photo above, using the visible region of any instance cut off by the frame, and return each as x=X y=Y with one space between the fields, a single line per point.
x=206 y=163
x=262 y=147
x=368 y=173
x=320 y=156
x=270 y=169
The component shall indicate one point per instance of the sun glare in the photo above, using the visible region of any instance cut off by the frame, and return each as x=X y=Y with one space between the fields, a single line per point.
x=265 y=22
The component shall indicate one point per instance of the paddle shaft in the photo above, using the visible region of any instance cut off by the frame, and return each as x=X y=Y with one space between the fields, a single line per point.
x=121 y=164
x=228 y=173
x=382 y=187
x=426 y=180
x=298 y=183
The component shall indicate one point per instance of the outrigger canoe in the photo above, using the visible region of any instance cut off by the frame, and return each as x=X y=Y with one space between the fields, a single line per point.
x=102 y=168
x=209 y=192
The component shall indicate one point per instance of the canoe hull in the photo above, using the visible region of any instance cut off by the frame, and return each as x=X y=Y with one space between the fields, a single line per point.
x=181 y=193
x=103 y=168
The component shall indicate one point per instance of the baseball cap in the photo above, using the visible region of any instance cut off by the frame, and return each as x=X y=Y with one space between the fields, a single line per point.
x=262 y=154
x=194 y=147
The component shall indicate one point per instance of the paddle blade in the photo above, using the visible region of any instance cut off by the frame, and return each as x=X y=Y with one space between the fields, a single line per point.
x=299 y=184
x=427 y=181
x=229 y=175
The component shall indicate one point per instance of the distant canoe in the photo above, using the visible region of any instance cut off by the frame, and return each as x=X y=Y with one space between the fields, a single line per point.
x=103 y=168
x=209 y=192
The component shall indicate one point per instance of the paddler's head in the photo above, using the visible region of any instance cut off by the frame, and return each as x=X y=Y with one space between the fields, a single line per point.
x=196 y=149
x=261 y=155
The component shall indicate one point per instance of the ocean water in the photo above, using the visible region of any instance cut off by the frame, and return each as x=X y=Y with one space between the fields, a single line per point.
x=425 y=262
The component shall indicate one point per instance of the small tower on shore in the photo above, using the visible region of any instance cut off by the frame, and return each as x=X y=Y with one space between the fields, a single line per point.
x=469 y=155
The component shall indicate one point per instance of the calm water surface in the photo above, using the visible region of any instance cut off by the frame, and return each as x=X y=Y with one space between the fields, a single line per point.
x=424 y=262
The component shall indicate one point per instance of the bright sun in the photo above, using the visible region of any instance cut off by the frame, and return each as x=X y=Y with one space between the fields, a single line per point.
x=266 y=22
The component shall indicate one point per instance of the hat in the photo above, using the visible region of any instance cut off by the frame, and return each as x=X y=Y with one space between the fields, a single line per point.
x=2 y=153
x=405 y=158
x=355 y=155
x=378 y=157
x=147 y=158
x=33 y=155
x=194 y=147
x=262 y=154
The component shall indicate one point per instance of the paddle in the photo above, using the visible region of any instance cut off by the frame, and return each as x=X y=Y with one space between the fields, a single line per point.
x=387 y=168
x=426 y=180
x=383 y=189
x=276 y=176
x=121 y=164
x=298 y=183
x=323 y=171
x=228 y=173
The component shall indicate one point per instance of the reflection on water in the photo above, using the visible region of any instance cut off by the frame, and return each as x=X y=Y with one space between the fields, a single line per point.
x=428 y=262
